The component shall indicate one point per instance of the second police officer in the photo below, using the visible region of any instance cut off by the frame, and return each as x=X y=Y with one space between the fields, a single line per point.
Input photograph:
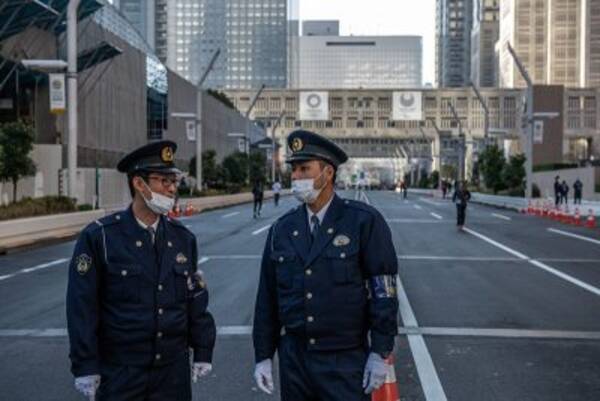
x=135 y=303
x=327 y=299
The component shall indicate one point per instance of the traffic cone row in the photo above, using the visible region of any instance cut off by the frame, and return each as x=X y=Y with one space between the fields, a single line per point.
x=389 y=390
x=560 y=214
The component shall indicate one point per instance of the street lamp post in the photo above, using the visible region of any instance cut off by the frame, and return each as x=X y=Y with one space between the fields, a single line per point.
x=277 y=123
x=72 y=95
x=248 y=125
x=529 y=128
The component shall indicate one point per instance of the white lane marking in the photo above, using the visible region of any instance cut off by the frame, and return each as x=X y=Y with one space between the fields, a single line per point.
x=430 y=202
x=416 y=221
x=243 y=331
x=188 y=226
x=551 y=270
x=228 y=215
x=203 y=260
x=260 y=230
x=44 y=265
x=500 y=216
x=459 y=258
x=437 y=216
x=430 y=382
x=418 y=207
x=235 y=256
x=6 y=276
x=568 y=234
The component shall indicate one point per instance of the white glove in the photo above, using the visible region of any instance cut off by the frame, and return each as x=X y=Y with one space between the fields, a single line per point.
x=375 y=372
x=200 y=369
x=87 y=385
x=263 y=374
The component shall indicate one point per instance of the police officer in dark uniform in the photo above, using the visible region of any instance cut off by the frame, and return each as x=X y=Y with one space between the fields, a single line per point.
x=136 y=303
x=327 y=297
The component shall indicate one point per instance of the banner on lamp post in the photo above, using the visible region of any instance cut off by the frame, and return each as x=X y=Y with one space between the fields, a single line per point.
x=58 y=101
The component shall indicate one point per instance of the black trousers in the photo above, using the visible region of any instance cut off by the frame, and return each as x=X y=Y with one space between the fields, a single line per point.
x=276 y=198
x=320 y=375
x=577 y=199
x=461 y=211
x=257 y=204
x=134 y=383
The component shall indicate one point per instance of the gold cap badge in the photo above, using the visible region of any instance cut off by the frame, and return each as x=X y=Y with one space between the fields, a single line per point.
x=297 y=144
x=166 y=154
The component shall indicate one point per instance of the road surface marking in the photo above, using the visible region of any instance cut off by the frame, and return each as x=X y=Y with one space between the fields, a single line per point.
x=44 y=265
x=568 y=234
x=228 y=215
x=411 y=331
x=203 y=260
x=437 y=216
x=501 y=216
x=188 y=226
x=430 y=382
x=418 y=207
x=431 y=202
x=6 y=276
x=412 y=221
x=459 y=258
x=551 y=270
x=260 y=230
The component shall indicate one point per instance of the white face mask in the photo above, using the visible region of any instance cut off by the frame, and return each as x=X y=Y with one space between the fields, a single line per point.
x=305 y=191
x=159 y=204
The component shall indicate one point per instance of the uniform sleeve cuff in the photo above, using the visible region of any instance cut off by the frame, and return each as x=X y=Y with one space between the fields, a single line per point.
x=87 y=368
x=382 y=344
x=203 y=355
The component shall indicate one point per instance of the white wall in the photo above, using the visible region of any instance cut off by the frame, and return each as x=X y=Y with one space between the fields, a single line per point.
x=545 y=181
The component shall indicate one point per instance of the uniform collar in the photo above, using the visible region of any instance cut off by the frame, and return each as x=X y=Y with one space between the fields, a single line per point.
x=321 y=213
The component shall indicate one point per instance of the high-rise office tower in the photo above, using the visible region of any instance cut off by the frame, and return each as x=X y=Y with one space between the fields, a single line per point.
x=485 y=33
x=558 y=41
x=251 y=34
x=454 y=21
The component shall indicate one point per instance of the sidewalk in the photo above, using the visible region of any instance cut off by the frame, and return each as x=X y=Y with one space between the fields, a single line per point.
x=42 y=230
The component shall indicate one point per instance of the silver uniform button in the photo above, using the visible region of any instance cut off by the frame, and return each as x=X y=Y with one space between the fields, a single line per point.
x=160 y=311
x=295 y=233
x=159 y=334
x=312 y=341
x=157 y=357
x=308 y=272
x=138 y=244
x=309 y=295
x=185 y=272
x=330 y=231
x=343 y=255
x=280 y=259
x=310 y=319
x=118 y=217
x=169 y=244
x=123 y=273
x=160 y=287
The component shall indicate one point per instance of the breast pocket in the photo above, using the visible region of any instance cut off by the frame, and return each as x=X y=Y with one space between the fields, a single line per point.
x=182 y=277
x=343 y=264
x=123 y=282
x=285 y=265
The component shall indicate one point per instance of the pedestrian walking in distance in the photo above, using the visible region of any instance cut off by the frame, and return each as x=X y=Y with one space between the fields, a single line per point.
x=136 y=303
x=327 y=297
x=258 y=193
x=577 y=191
x=461 y=197
x=276 y=192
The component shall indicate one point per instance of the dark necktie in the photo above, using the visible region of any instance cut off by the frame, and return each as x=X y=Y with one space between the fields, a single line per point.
x=315 y=227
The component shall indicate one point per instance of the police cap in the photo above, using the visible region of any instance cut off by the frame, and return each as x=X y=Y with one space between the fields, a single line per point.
x=155 y=157
x=306 y=145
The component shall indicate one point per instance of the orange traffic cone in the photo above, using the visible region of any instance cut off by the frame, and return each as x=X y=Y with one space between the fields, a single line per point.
x=529 y=208
x=577 y=218
x=189 y=209
x=591 y=220
x=389 y=390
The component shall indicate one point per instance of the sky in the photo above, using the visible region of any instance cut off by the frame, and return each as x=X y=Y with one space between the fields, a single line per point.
x=381 y=17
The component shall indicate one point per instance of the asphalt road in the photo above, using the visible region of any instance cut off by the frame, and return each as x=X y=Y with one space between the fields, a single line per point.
x=507 y=310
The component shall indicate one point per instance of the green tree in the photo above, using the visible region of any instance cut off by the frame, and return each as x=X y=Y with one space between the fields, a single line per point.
x=513 y=173
x=435 y=179
x=235 y=166
x=258 y=168
x=16 y=143
x=491 y=165
x=448 y=172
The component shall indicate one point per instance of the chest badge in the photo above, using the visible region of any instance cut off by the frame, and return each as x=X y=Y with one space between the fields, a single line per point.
x=180 y=258
x=341 y=240
x=83 y=263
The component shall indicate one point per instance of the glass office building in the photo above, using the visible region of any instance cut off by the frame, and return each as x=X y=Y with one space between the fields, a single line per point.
x=251 y=34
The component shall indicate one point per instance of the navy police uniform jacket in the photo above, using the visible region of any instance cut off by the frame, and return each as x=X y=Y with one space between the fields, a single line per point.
x=334 y=293
x=132 y=303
